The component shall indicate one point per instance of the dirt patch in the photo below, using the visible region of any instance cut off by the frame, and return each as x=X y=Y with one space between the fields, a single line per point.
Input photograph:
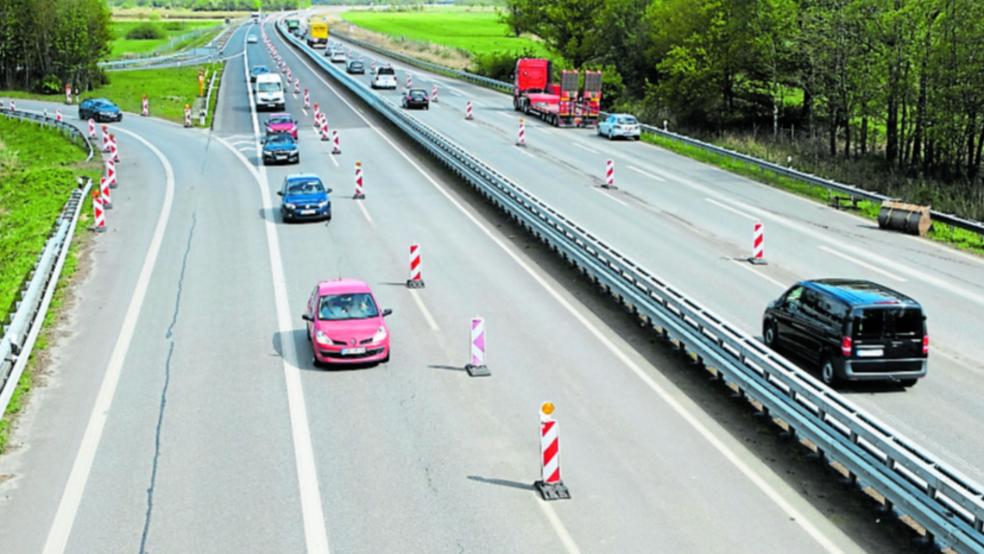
x=443 y=55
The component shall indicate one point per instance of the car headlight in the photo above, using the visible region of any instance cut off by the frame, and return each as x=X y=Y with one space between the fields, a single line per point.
x=380 y=335
x=322 y=338
x=294 y=151
x=322 y=204
x=289 y=205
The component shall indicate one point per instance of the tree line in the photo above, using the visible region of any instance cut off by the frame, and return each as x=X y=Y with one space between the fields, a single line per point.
x=902 y=80
x=46 y=43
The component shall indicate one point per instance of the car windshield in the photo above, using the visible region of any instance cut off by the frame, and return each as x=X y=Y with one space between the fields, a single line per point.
x=359 y=305
x=280 y=139
x=356 y=65
x=280 y=121
x=417 y=93
x=305 y=187
x=268 y=87
x=627 y=120
x=386 y=71
x=878 y=323
x=260 y=69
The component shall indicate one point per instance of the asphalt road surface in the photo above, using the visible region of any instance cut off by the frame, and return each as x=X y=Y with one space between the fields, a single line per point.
x=182 y=412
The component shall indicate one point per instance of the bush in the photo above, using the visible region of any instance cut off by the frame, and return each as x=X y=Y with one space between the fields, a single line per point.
x=498 y=65
x=51 y=84
x=145 y=31
x=175 y=26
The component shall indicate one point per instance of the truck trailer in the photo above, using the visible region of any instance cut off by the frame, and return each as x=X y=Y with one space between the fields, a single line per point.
x=317 y=32
x=563 y=104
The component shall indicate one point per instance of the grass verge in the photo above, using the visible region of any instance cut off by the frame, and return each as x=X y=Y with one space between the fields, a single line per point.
x=122 y=47
x=959 y=238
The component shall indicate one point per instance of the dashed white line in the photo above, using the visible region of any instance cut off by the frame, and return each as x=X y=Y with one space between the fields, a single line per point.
x=861 y=263
x=585 y=148
x=732 y=210
x=431 y=322
x=365 y=212
x=609 y=196
x=645 y=173
x=747 y=267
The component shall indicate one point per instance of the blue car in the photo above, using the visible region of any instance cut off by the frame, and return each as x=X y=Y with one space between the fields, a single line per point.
x=304 y=196
x=280 y=147
x=99 y=109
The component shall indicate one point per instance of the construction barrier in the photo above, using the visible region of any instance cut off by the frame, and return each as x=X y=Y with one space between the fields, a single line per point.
x=92 y=129
x=609 y=174
x=58 y=116
x=336 y=142
x=476 y=342
x=360 y=193
x=187 y=119
x=98 y=213
x=908 y=218
x=550 y=485
x=416 y=280
x=521 y=134
x=758 y=244
x=113 y=151
x=324 y=128
x=409 y=80
x=145 y=106
x=104 y=131
x=107 y=201
x=433 y=97
x=111 y=172
x=68 y=93
x=468 y=110
x=307 y=99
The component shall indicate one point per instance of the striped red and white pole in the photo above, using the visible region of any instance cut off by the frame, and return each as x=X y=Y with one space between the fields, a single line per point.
x=13 y=106
x=107 y=201
x=92 y=129
x=324 y=128
x=297 y=87
x=360 y=192
x=758 y=244
x=317 y=111
x=104 y=131
x=187 y=112
x=468 y=110
x=98 y=213
x=307 y=99
x=609 y=174
x=550 y=485
x=68 y=93
x=290 y=76
x=521 y=134
x=476 y=366
x=58 y=116
x=145 y=106
x=433 y=97
x=111 y=172
x=336 y=142
x=114 y=153
x=416 y=280
x=409 y=80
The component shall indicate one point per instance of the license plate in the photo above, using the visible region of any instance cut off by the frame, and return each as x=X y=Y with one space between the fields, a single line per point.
x=871 y=353
x=281 y=157
x=307 y=212
x=351 y=351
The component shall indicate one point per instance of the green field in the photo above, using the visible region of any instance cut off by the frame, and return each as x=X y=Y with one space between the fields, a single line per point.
x=472 y=30
x=167 y=89
x=121 y=47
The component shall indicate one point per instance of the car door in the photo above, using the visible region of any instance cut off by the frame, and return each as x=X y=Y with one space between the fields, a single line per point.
x=607 y=124
x=787 y=311
x=813 y=325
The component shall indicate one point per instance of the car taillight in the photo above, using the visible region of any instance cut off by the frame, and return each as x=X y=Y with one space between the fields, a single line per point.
x=846 y=346
x=925 y=345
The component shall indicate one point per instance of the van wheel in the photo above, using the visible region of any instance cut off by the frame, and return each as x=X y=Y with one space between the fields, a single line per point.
x=828 y=374
x=770 y=334
x=906 y=383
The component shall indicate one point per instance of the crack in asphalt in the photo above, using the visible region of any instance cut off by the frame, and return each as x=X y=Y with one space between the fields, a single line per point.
x=169 y=334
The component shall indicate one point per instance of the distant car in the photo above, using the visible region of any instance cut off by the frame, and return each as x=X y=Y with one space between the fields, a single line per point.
x=256 y=71
x=851 y=330
x=355 y=67
x=337 y=56
x=100 y=109
x=304 y=196
x=280 y=148
x=281 y=123
x=385 y=77
x=345 y=324
x=416 y=98
x=252 y=39
x=620 y=125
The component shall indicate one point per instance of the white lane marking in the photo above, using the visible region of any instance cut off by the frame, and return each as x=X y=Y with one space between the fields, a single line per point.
x=861 y=263
x=645 y=173
x=365 y=212
x=313 y=514
x=505 y=115
x=332 y=157
x=685 y=414
x=68 y=506
x=585 y=148
x=522 y=150
x=608 y=196
x=431 y=322
x=555 y=522
x=732 y=210
x=455 y=91
x=747 y=267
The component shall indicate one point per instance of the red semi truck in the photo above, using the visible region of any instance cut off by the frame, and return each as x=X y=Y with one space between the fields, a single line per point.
x=562 y=104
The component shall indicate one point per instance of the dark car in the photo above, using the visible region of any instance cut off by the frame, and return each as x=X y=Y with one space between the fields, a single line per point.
x=850 y=330
x=257 y=70
x=416 y=98
x=355 y=67
x=304 y=196
x=280 y=147
x=99 y=109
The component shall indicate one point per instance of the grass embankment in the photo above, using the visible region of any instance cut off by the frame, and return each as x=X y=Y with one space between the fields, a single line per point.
x=38 y=167
x=168 y=90
x=165 y=14
x=960 y=238
x=123 y=47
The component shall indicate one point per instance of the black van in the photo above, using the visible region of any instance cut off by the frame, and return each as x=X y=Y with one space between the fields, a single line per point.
x=851 y=330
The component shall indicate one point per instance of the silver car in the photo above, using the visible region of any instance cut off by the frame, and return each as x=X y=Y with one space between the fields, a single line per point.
x=619 y=125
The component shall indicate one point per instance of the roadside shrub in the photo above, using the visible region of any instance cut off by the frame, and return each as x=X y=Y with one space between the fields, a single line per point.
x=175 y=26
x=145 y=31
x=498 y=65
x=51 y=84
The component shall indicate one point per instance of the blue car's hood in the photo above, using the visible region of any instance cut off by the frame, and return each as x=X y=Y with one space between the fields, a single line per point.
x=314 y=198
x=107 y=108
x=279 y=146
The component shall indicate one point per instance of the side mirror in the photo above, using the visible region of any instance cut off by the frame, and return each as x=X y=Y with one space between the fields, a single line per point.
x=280 y=193
x=307 y=317
x=387 y=312
x=328 y=190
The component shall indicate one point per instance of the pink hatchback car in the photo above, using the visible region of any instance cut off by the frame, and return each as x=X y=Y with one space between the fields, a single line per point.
x=281 y=123
x=345 y=325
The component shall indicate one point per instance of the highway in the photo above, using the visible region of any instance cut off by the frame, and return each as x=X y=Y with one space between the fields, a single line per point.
x=181 y=410
x=691 y=224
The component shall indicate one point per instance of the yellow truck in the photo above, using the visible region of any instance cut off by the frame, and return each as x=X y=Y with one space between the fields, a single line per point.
x=317 y=33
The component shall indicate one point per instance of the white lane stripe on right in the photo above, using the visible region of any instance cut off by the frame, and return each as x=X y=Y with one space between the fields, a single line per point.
x=312 y=511
x=747 y=267
x=365 y=212
x=730 y=209
x=431 y=322
x=609 y=196
x=760 y=482
x=585 y=148
x=645 y=173
x=68 y=506
x=861 y=263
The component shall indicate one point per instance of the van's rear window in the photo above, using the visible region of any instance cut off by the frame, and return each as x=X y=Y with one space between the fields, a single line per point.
x=876 y=323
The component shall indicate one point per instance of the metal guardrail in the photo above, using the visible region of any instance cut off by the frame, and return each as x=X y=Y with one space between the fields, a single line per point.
x=913 y=482
x=834 y=186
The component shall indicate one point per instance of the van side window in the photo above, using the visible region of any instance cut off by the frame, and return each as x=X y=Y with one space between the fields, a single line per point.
x=793 y=296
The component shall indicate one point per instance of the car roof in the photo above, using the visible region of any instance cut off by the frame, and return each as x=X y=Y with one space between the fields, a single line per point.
x=417 y=90
x=280 y=135
x=99 y=100
x=268 y=77
x=279 y=115
x=300 y=176
x=338 y=286
x=858 y=292
x=256 y=67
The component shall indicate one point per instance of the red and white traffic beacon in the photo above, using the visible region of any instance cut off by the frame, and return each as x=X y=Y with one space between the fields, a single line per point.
x=550 y=485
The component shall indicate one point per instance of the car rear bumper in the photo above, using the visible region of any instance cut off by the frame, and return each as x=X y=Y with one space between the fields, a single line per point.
x=333 y=355
x=272 y=159
x=884 y=370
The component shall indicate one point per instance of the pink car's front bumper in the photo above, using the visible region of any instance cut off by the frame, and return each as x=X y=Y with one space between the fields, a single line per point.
x=333 y=354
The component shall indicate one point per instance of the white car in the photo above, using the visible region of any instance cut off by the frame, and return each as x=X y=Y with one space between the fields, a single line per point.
x=252 y=39
x=337 y=56
x=619 y=125
x=269 y=92
x=385 y=77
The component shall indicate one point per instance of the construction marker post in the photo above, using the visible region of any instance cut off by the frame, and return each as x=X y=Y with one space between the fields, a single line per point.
x=107 y=200
x=468 y=111
x=145 y=106
x=92 y=129
x=325 y=136
x=202 y=117
x=409 y=81
x=336 y=142
x=307 y=99
x=521 y=134
x=360 y=193
x=187 y=112
x=98 y=214
x=758 y=244
x=68 y=93
x=111 y=172
x=476 y=343
x=433 y=97
x=550 y=485
x=609 y=174
x=114 y=153
x=58 y=116
x=416 y=280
